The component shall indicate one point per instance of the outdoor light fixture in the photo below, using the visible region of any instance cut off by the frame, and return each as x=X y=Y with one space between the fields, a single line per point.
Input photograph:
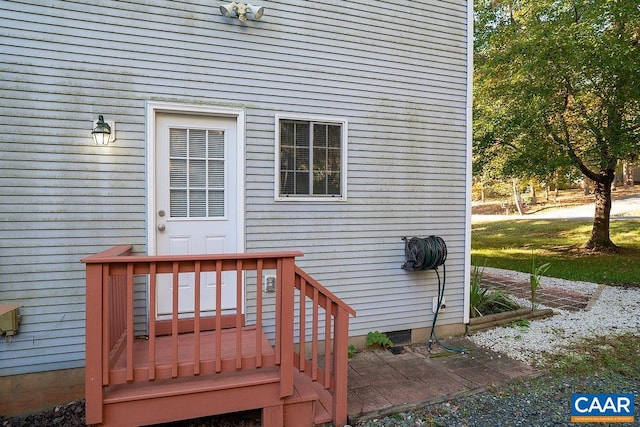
x=241 y=10
x=102 y=132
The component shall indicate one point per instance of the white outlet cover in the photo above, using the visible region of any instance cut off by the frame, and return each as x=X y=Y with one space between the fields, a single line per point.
x=434 y=306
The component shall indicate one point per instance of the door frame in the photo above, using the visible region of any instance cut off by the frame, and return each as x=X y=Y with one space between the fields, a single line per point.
x=155 y=107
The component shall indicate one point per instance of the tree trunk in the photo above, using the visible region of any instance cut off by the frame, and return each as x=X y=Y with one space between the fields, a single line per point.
x=585 y=186
x=627 y=174
x=534 y=198
x=516 y=196
x=600 y=239
x=546 y=192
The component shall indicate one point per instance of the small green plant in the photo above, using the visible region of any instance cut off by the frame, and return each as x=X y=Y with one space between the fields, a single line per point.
x=522 y=324
x=397 y=417
x=534 y=279
x=351 y=350
x=378 y=338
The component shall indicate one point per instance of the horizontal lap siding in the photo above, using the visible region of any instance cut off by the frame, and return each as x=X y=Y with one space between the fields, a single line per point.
x=406 y=173
x=397 y=76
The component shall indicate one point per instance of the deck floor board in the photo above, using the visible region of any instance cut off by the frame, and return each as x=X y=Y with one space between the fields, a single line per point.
x=164 y=360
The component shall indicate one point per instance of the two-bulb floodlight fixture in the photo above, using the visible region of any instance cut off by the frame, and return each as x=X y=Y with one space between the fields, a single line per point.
x=241 y=11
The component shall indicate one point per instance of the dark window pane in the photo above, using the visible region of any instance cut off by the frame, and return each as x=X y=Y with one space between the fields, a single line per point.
x=333 y=184
x=334 y=136
x=286 y=133
x=286 y=158
x=302 y=159
x=302 y=183
x=333 y=159
x=319 y=159
x=319 y=135
x=320 y=183
x=302 y=135
x=286 y=182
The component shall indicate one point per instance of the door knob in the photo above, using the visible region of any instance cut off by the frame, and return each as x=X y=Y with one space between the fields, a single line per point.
x=161 y=227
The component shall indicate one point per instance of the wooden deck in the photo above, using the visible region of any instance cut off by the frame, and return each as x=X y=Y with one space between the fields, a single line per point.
x=214 y=365
x=187 y=363
x=231 y=391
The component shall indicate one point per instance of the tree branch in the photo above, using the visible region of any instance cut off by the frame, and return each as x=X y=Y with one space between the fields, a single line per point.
x=566 y=144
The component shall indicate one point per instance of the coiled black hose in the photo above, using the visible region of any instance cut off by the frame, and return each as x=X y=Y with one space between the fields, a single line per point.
x=424 y=253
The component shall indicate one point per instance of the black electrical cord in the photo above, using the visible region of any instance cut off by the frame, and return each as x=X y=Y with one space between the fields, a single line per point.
x=433 y=335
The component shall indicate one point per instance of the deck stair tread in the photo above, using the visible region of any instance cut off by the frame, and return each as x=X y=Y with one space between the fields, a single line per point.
x=190 y=385
x=307 y=390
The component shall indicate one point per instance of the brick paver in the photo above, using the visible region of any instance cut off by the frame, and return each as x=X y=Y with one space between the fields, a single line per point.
x=564 y=299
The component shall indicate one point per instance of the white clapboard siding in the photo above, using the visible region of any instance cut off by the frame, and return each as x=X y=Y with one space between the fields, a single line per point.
x=397 y=75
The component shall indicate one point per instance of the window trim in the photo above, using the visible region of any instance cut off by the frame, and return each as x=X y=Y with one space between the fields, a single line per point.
x=343 y=159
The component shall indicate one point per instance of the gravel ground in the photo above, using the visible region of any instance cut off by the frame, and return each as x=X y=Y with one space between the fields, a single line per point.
x=616 y=312
x=72 y=415
x=542 y=401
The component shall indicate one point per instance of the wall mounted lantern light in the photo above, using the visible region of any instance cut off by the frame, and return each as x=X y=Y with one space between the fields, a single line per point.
x=103 y=132
x=241 y=11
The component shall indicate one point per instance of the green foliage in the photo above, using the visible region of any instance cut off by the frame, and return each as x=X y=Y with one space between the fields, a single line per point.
x=351 y=350
x=602 y=356
x=557 y=91
x=483 y=300
x=522 y=324
x=534 y=278
x=507 y=244
x=378 y=338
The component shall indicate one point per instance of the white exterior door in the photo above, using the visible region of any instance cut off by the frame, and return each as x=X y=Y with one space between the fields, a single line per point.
x=196 y=205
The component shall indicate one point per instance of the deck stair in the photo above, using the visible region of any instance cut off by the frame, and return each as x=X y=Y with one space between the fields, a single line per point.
x=212 y=364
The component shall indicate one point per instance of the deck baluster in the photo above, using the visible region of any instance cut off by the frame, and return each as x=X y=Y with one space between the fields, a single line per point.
x=196 y=321
x=174 y=321
x=152 y=320
x=218 y=336
x=239 y=295
x=258 y=325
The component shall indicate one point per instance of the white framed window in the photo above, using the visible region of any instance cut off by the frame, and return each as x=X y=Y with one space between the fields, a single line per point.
x=311 y=155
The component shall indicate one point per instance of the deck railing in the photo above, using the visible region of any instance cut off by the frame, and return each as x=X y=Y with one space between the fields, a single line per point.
x=328 y=328
x=310 y=330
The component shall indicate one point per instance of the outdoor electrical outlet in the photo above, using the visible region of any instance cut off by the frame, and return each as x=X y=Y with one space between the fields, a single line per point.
x=270 y=283
x=435 y=305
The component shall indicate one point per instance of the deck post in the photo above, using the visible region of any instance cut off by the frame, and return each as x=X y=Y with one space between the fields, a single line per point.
x=340 y=367
x=93 y=344
x=273 y=416
x=287 y=279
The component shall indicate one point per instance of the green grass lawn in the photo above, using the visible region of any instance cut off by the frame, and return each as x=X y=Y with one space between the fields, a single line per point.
x=511 y=245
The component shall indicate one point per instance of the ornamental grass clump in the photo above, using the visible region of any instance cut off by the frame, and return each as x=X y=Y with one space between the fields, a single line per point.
x=484 y=300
